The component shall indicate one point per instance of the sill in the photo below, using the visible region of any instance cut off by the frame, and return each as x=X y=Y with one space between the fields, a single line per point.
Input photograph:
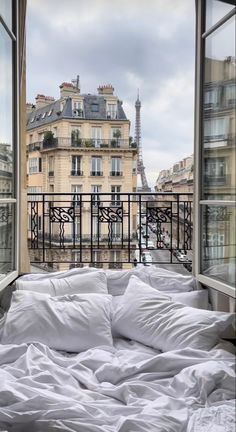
x=221 y=287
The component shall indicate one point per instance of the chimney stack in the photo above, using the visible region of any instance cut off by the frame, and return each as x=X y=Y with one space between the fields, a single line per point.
x=106 y=89
x=68 y=90
x=42 y=101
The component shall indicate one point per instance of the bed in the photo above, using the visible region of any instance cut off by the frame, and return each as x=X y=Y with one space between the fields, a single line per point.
x=114 y=351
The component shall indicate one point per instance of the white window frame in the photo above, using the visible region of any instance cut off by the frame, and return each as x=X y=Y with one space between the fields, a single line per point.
x=34 y=165
x=77 y=164
x=116 y=164
x=6 y=279
x=97 y=135
x=217 y=285
x=96 y=164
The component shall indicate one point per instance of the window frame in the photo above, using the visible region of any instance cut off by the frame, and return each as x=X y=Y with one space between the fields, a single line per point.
x=199 y=203
x=15 y=199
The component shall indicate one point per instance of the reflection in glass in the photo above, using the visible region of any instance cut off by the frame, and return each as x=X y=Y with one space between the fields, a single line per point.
x=215 y=10
x=6 y=171
x=6 y=11
x=7 y=258
x=218 y=243
x=219 y=155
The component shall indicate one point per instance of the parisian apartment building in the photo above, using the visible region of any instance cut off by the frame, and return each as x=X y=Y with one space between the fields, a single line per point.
x=80 y=144
x=178 y=178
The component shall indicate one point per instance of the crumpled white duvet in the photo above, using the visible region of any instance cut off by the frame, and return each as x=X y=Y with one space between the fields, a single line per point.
x=128 y=388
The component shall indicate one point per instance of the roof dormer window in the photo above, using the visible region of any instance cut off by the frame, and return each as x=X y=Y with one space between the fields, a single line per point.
x=94 y=107
x=49 y=113
x=44 y=115
x=32 y=120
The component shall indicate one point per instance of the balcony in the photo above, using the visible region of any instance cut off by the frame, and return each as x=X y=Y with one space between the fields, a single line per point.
x=116 y=173
x=76 y=173
x=83 y=143
x=96 y=173
x=61 y=228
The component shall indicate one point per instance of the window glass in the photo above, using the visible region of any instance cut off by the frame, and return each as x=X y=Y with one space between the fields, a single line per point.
x=218 y=244
x=7 y=236
x=219 y=152
x=6 y=11
x=215 y=10
x=6 y=146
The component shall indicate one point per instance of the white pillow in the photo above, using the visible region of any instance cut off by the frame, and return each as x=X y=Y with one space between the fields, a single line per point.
x=93 y=282
x=165 y=280
x=117 y=280
x=58 y=275
x=197 y=299
x=70 y=323
x=158 y=278
x=150 y=317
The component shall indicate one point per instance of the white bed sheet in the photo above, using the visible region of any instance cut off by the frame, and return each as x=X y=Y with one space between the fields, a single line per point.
x=125 y=388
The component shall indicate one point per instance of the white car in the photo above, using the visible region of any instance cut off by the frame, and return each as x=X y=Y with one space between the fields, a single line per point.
x=150 y=244
x=147 y=258
x=181 y=256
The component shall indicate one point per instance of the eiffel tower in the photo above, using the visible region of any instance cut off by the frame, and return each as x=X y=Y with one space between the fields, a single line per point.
x=140 y=166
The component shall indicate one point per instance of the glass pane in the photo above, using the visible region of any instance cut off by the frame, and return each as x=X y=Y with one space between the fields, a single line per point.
x=218 y=243
x=215 y=10
x=219 y=156
x=6 y=11
x=7 y=239
x=6 y=154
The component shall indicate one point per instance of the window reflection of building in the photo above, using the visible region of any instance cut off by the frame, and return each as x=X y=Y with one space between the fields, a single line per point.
x=218 y=236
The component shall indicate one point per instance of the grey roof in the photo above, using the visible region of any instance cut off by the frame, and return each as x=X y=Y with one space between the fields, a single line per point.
x=88 y=114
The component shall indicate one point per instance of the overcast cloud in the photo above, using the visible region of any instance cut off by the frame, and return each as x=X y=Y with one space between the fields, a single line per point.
x=131 y=44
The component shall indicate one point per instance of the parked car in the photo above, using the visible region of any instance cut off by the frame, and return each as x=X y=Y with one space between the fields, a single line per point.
x=150 y=244
x=147 y=258
x=181 y=256
x=143 y=244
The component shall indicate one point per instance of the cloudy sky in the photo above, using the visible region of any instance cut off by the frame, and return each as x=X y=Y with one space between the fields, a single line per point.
x=131 y=44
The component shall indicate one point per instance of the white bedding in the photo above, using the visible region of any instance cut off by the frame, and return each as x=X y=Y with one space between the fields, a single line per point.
x=125 y=388
x=128 y=387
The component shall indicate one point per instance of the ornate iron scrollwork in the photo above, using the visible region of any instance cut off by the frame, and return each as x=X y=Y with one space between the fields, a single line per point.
x=62 y=215
x=217 y=213
x=4 y=214
x=158 y=214
x=110 y=216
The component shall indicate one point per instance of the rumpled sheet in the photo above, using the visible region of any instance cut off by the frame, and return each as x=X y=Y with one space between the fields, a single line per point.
x=128 y=388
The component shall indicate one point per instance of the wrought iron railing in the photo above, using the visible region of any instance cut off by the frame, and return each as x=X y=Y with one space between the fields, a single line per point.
x=110 y=229
x=95 y=143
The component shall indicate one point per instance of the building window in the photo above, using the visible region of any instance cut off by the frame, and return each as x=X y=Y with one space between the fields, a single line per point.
x=115 y=260
x=115 y=137
x=116 y=166
x=35 y=190
x=94 y=107
x=115 y=199
x=76 y=166
x=76 y=137
x=97 y=136
x=76 y=191
x=215 y=148
x=77 y=109
x=51 y=166
x=111 y=110
x=96 y=189
x=216 y=129
x=35 y=165
x=96 y=166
